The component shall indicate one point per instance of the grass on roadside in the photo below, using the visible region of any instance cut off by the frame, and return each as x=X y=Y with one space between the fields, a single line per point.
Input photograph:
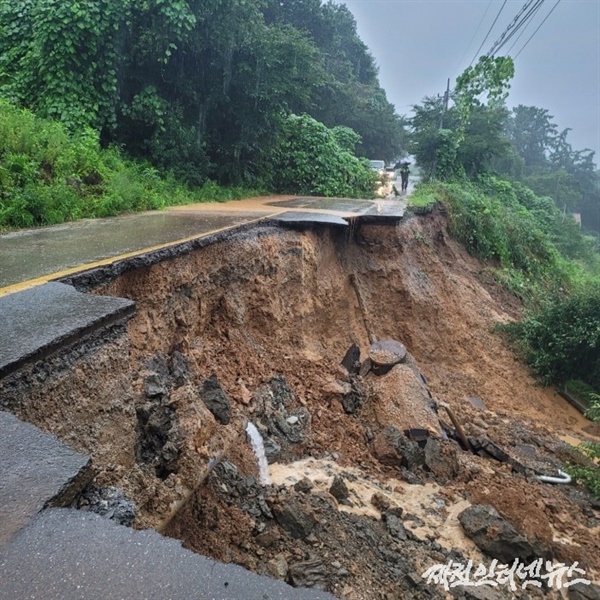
x=48 y=176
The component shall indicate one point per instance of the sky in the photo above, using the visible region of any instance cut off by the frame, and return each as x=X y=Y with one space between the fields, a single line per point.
x=419 y=44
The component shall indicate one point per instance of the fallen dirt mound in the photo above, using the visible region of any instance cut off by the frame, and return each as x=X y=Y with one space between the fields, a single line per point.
x=255 y=328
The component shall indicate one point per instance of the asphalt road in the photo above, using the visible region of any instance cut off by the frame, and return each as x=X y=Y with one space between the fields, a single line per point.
x=34 y=256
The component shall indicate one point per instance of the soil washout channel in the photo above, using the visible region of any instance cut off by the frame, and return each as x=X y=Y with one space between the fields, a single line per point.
x=254 y=328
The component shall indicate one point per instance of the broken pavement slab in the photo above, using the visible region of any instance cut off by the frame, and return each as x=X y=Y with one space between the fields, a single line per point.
x=66 y=554
x=36 y=470
x=38 y=321
x=304 y=218
x=73 y=555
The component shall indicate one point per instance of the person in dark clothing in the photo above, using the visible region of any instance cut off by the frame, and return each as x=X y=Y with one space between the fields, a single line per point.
x=404 y=173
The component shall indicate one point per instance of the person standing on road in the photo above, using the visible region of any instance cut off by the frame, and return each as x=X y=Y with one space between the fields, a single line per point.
x=404 y=173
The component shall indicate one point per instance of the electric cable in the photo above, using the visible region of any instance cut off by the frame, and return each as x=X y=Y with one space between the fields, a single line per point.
x=527 y=42
x=500 y=40
x=475 y=34
x=489 y=31
x=520 y=25
x=517 y=40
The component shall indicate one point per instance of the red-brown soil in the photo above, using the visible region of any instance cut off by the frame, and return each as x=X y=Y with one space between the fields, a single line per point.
x=280 y=302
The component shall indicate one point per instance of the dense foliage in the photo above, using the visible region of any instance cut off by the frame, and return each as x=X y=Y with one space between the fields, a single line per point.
x=312 y=159
x=196 y=87
x=521 y=145
x=508 y=180
x=588 y=473
x=48 y=175
x=561 y=341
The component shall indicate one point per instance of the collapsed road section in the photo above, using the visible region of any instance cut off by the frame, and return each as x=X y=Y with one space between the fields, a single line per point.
x=340 y=346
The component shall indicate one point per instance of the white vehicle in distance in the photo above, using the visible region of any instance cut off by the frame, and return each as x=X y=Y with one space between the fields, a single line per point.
x=381 y=169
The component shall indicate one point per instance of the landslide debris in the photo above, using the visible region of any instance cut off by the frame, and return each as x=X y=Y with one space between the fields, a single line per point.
x=281 y=324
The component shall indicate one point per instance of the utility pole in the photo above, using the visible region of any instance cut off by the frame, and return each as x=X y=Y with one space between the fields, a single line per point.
x=444 y=109
x=445 y=104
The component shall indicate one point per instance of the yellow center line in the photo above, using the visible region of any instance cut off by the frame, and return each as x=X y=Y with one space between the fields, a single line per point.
x=16 y=287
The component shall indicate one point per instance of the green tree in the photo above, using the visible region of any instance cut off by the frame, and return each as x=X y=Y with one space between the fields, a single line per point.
x=309 y=160
x=532 y=133
x=199 y=87
x=60 y=58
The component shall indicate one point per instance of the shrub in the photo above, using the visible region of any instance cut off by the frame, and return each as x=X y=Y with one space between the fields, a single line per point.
x=561 y=341
x=310 y=160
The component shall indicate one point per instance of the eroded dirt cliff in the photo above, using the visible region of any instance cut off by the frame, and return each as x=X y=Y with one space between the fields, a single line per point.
x=271 y=314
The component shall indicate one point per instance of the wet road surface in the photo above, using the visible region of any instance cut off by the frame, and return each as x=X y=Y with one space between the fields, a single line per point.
x=34 y=256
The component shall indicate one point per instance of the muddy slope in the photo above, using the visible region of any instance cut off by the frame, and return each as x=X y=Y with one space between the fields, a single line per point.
x=271 y=313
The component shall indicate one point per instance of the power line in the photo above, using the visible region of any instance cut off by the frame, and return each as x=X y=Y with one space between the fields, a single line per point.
x=500 y=41
x=475 y=34
x=527 y=42
x=518 y=38
x=489 y=31
x=521 y=26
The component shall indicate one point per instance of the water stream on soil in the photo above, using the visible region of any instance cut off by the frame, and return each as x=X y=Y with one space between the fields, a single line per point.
x=259 y=451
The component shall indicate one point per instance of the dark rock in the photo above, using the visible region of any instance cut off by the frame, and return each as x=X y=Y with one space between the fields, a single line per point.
x=417 y=435
x=272 y=450
x=304 y=485
x=412 y=477
x=283 y=394
x=263 y=507
x=159 y=440
x=308 y=573
x=155 y=386
x=351 y=360
x=353 y=401
x=380 y=502
x=180 y=369
x=158 y=365
x=267 y=538
x=365 y=367
x=478 y=593
x=339 y=489
x=583 y=591
x=395 y=527
x=441 y=459
x=396 y=511
x=392 y=448
x=296 y=520
x=414 y=519
x=294 y=426
x=495 y=536
x=216 y=400
x=109 y=502
x=414 y=579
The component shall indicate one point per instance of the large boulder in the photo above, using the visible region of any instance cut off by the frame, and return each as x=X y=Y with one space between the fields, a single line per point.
x=496 y=537
x=584 y=591
x=392 y=448
x=401 y=399
x=441 y=459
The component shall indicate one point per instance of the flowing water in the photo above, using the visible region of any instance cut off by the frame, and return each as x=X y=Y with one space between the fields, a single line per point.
x=259 y=451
